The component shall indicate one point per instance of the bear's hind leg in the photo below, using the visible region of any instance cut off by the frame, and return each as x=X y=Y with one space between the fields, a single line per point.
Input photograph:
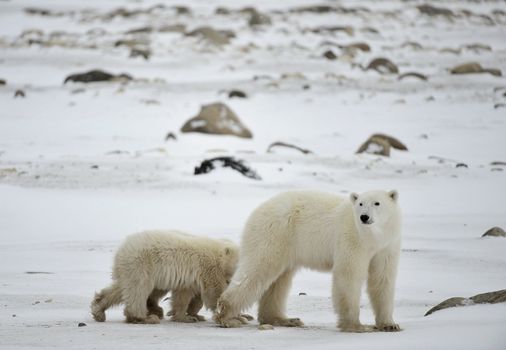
x=180 y=302
x=135 y=295
x=194 y=307
x=244 y=290
x=103 y=300
x=272 y=306
x=152 y=303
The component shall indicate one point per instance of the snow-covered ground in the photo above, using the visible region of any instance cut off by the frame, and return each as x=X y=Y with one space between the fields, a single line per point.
x=83 y=165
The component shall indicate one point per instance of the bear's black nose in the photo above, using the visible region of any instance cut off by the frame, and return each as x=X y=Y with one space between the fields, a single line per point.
x=364 y=218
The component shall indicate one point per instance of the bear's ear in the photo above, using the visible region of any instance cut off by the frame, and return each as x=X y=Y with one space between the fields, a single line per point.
x=228 y=251
x=353 y=197
x=394 y=195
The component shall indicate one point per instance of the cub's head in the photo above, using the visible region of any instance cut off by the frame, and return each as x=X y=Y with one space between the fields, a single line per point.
x=374 y=207
x=229 y=258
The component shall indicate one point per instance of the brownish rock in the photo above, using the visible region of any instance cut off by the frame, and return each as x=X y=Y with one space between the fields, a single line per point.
x=383 y=66
x=474 y=67
x=217 y=119
x=495 y=297
x=495 y=232
x=211 y=35
x=380 y=144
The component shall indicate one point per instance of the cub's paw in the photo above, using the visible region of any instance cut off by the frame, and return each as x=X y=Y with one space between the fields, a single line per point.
x=247 y=317
x=231 y=323
x=200 y=318
x=184 y=319
x=393 y=327
x=151 y=319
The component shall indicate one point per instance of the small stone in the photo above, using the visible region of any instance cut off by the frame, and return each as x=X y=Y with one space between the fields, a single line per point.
x=461 y=165
x=94 y=167
x=495 y=232
x=302 y=293
x=330 y=55
x=3 y=82
x=170 y=136
x=266 y=327
x=144 y=53
x=19 y=93
x=237 y=93
x=82 y=324
x=96 y=76
x=211 y=35
x=14 y=315
x=48 y=300
x=258 y=19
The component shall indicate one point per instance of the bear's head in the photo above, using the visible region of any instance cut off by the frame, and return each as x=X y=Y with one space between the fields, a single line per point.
x=375 y=207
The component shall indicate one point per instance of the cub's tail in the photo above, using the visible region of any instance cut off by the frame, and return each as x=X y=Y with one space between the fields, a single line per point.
x=103 y=300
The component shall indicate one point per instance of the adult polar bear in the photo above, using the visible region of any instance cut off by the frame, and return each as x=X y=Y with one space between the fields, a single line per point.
x=356 y=239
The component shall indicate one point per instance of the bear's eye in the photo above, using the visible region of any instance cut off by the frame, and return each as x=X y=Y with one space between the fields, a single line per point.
x=377 y=204
x=361 y=204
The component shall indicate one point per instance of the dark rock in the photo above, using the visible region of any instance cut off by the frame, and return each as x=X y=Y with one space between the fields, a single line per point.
x=39 y=273
x=414 y=75
x=96 y=76
x=37 y=11
x=81 y=324
x=315 y=9
x=147 y=29
x=131 y=43
x=484 y=298
x=332 y=29
x=478 y=47
x=498 y=163
x=435 y=11
x=212 y=36
x=383 y=66
x=144 y=53
x=495 y=232
x=182 y=10
x=306 y=87
x=3 y=82
x=208 y=165
x=19 y=93
x=237 y=93
x=356 y=46
x=258 y=19
x=283 y=144
x=217 y=119
x=170 y=136
x=302 y=293
x=329 y=54
x=461 y=165
x=172 y=28
x=222 y=11
x=499 y=105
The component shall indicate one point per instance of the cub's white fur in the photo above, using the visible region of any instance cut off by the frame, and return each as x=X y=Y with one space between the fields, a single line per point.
x=149 y=264
x=358 y=239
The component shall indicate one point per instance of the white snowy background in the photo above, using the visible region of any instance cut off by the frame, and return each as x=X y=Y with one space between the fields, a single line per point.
x=84 y=165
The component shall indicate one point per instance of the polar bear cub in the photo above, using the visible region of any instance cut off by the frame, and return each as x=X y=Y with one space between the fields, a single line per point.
x=357 y=238
x=149 y=264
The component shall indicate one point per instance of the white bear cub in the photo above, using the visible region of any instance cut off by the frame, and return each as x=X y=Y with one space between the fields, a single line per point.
x=150 y=264
x=357 y=238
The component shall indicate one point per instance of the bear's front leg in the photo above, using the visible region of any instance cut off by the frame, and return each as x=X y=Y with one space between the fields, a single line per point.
x=347 y=282
x=381 y=287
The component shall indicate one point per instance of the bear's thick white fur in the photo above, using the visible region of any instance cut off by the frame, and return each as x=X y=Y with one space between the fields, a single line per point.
x=323 y=232
x=149 y=264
